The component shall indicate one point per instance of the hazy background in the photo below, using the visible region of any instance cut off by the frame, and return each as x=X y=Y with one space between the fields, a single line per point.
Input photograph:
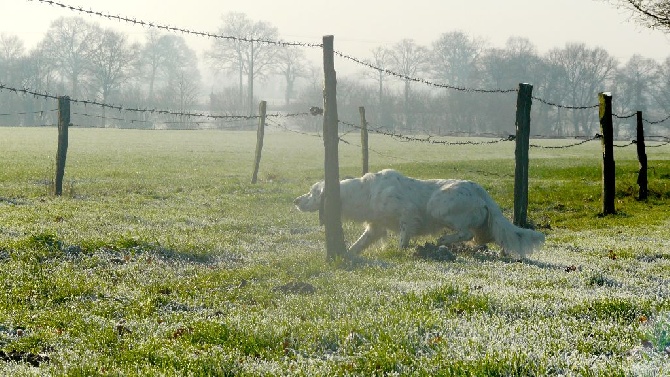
x=359 y=26
x=547 y=43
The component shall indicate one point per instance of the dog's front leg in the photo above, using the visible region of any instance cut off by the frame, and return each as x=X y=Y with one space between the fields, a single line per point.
x=404 y=235
x=370 y=235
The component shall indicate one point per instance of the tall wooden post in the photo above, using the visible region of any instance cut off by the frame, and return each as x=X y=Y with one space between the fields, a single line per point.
x=364 y=140
x=642 y=158
x=260 y=133
x=606 y=129
x=61 y=154
x=523 y=104
x=331 y=196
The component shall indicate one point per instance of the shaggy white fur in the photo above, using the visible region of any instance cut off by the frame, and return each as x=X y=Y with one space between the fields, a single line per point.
x=388 y=200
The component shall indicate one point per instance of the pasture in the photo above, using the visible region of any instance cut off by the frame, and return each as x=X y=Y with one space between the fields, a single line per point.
x=162 y=259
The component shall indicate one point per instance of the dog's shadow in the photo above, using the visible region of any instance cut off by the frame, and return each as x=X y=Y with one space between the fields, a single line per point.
x=445 y=254
x=352 y=262
x=450 y=253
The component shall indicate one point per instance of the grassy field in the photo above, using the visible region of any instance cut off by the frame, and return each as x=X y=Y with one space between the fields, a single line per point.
x=162 y=259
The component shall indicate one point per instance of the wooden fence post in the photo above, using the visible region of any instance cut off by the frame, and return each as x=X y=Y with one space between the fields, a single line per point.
x=606 y=129
x=642 y=157
x=364 y=140
x=332 y=211
x=61 y=154
x=259 y=140
x=523 y=104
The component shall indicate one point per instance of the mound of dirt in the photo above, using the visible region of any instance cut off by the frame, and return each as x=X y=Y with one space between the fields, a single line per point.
x=445 y=253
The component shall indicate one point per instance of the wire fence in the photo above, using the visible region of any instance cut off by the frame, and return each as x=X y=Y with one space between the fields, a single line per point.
x=194 y=119
x=280 y=43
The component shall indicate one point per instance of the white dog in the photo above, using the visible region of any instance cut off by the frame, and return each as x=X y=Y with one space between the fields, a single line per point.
x=390 y=201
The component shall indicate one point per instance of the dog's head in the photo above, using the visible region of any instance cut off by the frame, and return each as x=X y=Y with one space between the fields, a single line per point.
x=313 y=200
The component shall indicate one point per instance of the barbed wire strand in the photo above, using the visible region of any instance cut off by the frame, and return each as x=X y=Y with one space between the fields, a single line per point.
x=427 y=139
x=41 y=112
x=85 y=102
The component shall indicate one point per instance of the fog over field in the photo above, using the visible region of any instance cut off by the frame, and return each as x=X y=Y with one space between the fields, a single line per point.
x=449 y=45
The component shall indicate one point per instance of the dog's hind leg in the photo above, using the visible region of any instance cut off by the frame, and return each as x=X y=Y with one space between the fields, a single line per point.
x=370 y=235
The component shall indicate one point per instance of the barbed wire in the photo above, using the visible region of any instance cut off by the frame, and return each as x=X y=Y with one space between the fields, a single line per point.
x=623 y=116
x=595 y=137
x=419 y=80
x=174 y=28
x=41 y=112
x=428 y=139
x=313 y=111
x=666 y=142
x=86 y=102
x=274 y=123
x=643 y=118
x=656 y=121
x=340 y=137
x=570 y=107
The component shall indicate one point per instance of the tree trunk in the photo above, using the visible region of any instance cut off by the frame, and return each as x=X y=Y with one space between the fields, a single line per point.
x=251 y=81
x=407 y=117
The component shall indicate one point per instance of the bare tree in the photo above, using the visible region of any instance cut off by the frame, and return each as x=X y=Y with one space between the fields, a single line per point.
x=455 y=59
x=68 y=46
x=111 y=62
x=153 y=55
x=179 y=75
x=381 y=59
x=635 y=82
x=586 y=72
x=11 y=52
x=653 y=13
x=455 y=56
x=662 y=93
x=291 y=64
x=167 y=60
x=246 y=53
x=408 y=59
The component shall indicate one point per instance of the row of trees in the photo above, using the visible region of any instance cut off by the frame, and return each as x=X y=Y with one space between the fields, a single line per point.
x=571 y=75
x=83 y=60
x=80 y=59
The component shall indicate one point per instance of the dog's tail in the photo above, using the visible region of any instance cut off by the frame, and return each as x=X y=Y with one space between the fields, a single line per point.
x=510 y=237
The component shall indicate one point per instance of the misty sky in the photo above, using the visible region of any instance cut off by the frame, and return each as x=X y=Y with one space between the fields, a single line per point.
x=359 y=26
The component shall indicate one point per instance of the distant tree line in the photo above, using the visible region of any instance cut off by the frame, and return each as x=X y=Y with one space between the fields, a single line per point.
x=83 y=60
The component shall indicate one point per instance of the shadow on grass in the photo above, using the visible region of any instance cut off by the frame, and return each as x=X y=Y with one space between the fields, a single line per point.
x=126 y=250
x=430 y=251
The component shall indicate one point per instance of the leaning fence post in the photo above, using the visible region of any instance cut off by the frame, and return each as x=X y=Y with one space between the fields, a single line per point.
x=606 y=129
x=523 y=104
x=331 y=196
x=364 y=140
x=61 y=154
x=642 y=157
x=259 y=140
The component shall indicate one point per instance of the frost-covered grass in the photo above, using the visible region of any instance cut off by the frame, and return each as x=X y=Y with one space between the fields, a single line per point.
x=162 y=259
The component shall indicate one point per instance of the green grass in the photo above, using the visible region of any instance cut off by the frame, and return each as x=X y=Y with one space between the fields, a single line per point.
x=162 y=259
